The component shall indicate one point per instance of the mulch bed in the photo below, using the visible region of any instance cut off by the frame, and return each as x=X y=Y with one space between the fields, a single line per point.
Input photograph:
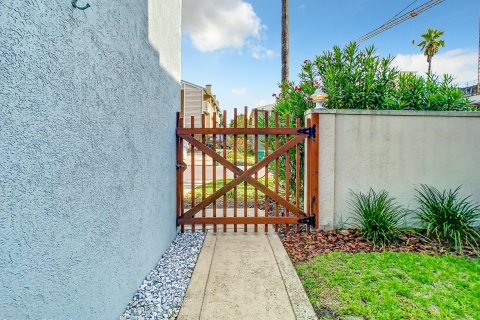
x=302 y=246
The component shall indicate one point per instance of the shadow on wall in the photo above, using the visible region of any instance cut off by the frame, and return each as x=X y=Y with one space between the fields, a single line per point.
x=87 y=196
x=161 y=41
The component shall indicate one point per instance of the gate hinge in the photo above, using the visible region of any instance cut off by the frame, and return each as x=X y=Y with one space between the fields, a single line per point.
x=310 y=131
x=180 y=165
x=310 y=221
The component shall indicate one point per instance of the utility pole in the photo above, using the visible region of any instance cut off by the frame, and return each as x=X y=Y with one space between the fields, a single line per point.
x=285 y=41
x=478 y=63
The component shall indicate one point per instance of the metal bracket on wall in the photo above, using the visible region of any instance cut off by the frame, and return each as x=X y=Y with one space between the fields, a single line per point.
x=74 y=4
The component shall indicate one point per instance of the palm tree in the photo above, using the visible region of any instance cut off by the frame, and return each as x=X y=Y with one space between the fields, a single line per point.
x=285 y=44
x=430 y=44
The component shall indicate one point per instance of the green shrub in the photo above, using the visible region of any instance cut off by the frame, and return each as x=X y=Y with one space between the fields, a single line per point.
x=353 y=78
x=377 y=216
x=357 y=78
x=414 y=92
x=448 y=216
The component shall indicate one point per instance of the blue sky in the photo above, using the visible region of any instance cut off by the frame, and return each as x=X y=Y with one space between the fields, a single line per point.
x=235 y=44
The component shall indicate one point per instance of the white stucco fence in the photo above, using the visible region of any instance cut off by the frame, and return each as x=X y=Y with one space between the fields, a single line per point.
x=396 y=151
x=88 y=103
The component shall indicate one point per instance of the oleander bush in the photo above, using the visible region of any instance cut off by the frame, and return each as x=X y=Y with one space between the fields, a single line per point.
x=357 y=78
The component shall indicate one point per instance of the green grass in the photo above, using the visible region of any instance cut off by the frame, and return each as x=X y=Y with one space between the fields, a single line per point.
x=240 y=155
x=230 y=194
x=392 y=286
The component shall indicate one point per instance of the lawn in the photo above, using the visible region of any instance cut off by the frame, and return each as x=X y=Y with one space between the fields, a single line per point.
x=392 y=285
x=240 y=157
x=230 y=194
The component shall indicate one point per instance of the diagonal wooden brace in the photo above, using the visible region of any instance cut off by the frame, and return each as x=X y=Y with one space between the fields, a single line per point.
x=244 y=175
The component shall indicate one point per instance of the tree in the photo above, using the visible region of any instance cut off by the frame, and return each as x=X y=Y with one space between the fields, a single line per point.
x=285 y=41
x=240 y=138
x=430 y=44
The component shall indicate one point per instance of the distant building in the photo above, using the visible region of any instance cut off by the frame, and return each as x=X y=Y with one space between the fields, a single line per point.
x=470 y=89
x=268 y=107
x=198 y=100
x=261 y=110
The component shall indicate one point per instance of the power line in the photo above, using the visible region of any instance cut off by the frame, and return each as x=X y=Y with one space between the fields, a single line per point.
x=394 y=21
x=412 y=3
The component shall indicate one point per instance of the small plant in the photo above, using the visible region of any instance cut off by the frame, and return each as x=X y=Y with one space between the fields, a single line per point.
x=448 y=216
x=377 y=216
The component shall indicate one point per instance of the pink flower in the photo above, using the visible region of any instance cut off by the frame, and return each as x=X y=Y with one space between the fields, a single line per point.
x=306 y=61
x=297 y=88
x=274 y=95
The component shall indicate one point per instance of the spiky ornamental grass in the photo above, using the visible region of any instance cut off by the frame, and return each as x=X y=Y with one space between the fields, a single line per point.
x=377 y=215
x=449 y=217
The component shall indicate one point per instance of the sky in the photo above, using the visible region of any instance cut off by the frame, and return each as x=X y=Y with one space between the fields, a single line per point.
x=235 y=45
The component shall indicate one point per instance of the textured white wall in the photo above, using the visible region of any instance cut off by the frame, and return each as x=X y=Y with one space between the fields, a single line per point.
x=87 y=144
x=395 y=151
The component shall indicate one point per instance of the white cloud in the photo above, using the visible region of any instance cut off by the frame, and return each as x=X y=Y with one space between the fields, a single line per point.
x=238 y=91
x=219 y=24
x=460 y=63
x=259 y=52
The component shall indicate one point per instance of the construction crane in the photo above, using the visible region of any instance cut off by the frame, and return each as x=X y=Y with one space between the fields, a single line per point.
x=397 y=20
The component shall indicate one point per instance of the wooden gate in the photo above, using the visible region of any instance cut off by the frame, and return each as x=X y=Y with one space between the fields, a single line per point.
x=215 y=199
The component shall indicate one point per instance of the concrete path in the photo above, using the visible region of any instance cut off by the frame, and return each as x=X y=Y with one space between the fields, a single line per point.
x=245 y=276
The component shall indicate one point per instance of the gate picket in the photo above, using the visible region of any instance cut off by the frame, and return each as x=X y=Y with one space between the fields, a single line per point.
x=245 y=153
x=267 y=203
x=214 y=169
x=192 y=167
x=224 y=169
x=235 y=163
x=276 y=169
x=204 y=173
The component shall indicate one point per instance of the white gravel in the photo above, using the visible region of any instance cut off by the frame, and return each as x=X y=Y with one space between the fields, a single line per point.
x=161 y=294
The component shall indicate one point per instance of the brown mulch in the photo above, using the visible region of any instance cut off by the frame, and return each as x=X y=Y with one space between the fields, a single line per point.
x=302 y=246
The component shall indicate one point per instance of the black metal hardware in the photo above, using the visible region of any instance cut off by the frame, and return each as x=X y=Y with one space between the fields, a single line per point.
x=308 y=131
x=74 y=4
x=310 y=221
x=180 y=165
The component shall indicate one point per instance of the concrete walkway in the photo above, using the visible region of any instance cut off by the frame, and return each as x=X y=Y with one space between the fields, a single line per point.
x=245 y=276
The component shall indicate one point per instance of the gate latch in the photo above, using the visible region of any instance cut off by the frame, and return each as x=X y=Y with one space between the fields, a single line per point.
x=180 y=165
x=310 y=131
x=310 y=221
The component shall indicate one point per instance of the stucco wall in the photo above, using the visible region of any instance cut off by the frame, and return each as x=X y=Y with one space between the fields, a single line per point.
x=395 y=151
x=87 y=144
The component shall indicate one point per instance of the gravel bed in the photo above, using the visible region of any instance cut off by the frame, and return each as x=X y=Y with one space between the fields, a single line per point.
x=161 y=294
